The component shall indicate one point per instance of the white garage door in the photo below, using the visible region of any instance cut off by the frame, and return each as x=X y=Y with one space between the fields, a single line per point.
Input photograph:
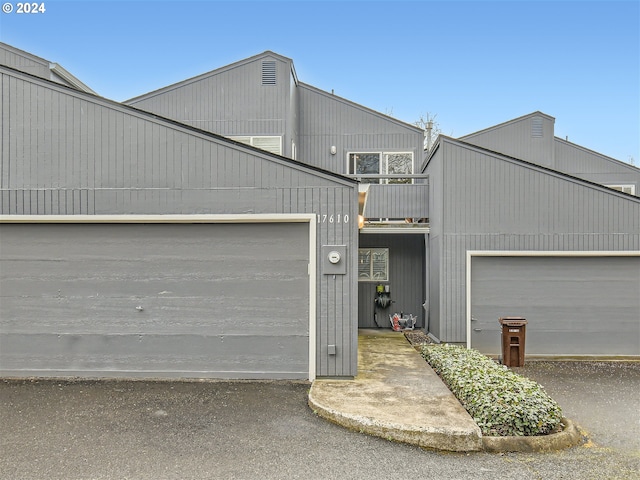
x=155 y=300
x=573 y=305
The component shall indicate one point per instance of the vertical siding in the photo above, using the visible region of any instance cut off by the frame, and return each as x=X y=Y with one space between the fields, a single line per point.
x=436 y=227
x=100 y=158
x=293 y=129
x=397 y=201
x=592 y=166
x=406 y=279
x=231 y=101
x=327 y=120
x=518 y=138
x=24 y=63
x=492 y=203
x=337 y=313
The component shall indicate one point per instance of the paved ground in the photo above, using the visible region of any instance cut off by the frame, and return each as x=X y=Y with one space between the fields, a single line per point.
x=397 y=396
x=198 y=430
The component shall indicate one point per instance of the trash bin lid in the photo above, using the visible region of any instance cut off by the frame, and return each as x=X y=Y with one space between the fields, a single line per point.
x=512 y=321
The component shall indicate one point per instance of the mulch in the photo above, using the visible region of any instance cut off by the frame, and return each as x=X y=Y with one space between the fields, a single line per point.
x=417 y=337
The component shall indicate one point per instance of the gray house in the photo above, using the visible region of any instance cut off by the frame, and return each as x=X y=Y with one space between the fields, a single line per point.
x=133 y=245
x=531 y=138
x=260 y=101
x=513 y=238
x=240 y=223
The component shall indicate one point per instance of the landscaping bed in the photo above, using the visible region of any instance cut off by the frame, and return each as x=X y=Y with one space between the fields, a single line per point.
x=500 y=401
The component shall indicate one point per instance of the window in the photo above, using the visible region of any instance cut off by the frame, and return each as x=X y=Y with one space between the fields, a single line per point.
x=630 y=189
x=270 y=144
x=381 y=163
x=373 y=264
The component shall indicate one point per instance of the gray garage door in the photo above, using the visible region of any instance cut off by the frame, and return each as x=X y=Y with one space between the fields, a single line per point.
x=574 y=305
x=179 y=300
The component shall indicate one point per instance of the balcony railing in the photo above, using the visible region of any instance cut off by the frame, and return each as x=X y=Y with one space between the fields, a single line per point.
x=396 y=201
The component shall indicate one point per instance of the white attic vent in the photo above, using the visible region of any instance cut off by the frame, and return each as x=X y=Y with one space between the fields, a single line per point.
x=536 y=127
x=268 y=72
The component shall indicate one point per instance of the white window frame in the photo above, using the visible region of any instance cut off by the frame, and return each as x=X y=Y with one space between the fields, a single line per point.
x=624 y=187
x=253 y=139
x=382 y=164
x=371 y=277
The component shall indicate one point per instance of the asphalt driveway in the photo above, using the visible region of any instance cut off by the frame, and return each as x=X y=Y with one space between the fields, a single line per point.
x=251 y=430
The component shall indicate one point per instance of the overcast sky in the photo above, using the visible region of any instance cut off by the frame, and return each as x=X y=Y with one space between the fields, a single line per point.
x=472 y=64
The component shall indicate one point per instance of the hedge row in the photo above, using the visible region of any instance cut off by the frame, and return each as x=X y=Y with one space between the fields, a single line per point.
x=501 y=402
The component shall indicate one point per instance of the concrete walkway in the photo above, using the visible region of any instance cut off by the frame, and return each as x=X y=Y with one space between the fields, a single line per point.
x=396 y=395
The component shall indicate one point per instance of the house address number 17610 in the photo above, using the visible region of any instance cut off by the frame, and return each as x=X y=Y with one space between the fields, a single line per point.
x=339 y=218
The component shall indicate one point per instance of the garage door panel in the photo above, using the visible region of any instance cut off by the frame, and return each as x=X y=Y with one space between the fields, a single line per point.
x=574 y=305
x=77 y=283
x=57 y=288
x=221 y=356
x=107 y=315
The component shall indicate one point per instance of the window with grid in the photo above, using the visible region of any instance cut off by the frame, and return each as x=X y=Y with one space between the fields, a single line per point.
x=630 y=189
x=393 y=163
x=270 y=144
x=373 y=264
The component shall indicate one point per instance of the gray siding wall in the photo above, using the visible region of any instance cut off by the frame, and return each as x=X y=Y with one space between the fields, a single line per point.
x=519 y=138
x=435 y=169
x=488 y=202
x=592 y=166
x=25 y=63
x=327 y=120
x=229 y=101
x=65 y=152
x=397 y=201
x=406 y=279
x=292 y=133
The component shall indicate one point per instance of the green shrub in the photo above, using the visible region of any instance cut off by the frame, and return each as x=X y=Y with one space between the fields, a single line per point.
x=500 y=401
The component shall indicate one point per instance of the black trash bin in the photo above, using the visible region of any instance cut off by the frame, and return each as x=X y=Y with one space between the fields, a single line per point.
x=513 y=340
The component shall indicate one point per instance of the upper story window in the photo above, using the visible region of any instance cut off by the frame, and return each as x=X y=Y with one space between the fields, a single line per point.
x=271 y=144
x=630 y=189
x=381 y=163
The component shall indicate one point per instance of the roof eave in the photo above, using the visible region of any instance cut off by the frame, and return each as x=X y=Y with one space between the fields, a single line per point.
x=361 y=107
x=69 y=78
x=210 y=73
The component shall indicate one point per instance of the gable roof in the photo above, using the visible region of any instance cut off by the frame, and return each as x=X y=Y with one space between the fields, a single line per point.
x=180 y=126
x=268 y=54
x=358 y=106
x=509 y=122
x=601 y=156
x=442 y=139
x=211 y=73
x=55 y=72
